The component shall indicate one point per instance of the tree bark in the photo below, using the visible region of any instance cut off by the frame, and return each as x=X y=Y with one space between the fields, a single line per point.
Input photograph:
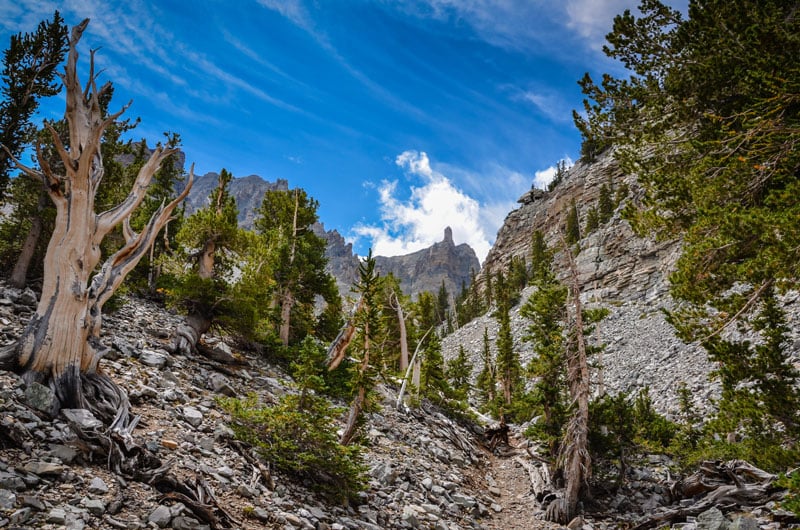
x=60 y=346
x=287 y=298
x=19 y=275
x=361 y=396
x=577 y=462
x=401 y=323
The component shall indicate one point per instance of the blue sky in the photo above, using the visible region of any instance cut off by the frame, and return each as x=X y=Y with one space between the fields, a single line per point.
x=400 y=117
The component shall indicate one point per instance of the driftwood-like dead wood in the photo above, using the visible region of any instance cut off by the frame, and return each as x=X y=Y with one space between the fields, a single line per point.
x=539 y=475
x=339 y=345
x=497 y=435
x=723 y=485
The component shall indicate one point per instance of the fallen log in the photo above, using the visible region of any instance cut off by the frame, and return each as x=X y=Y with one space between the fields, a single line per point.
x=726 y=486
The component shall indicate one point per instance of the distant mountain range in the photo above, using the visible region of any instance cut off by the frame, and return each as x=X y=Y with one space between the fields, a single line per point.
x=424 y=270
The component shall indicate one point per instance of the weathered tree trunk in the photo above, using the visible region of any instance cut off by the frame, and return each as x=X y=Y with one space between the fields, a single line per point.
x=287 y=298
x=196 y=324
x=401 y=323
x=577 y=462
x=413 y=366
x=358 y=402
x=287 y=301
x=60 y=347
x=19 y=275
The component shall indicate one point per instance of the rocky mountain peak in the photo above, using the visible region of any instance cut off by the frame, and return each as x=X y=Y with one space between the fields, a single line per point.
x=448 y=236
x=424 y=270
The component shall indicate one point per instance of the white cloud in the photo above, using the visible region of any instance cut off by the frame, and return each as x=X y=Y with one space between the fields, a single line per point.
x=418 y=221
x=543 y=177
x=593 y=19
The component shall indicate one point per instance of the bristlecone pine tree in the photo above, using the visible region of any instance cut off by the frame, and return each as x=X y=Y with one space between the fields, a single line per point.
x=61 y=345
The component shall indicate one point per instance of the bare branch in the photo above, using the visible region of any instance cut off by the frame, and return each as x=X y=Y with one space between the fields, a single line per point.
x=107 y=220
x=118 y=265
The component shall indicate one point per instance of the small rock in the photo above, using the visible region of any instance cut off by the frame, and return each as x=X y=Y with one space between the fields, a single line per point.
x=81 y=419
x=161 y=516
x=153 y=358
x=57 y=516
x=169 y=444
x=192 y=416
x=95 y=506
x=712 y=519
x=98 y=486
x=41 y=398
x=7 y=499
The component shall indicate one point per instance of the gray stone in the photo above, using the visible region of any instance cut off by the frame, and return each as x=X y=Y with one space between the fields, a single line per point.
x=161 y=516
x=64 y=453
x=82 y=419
x=712 y=519
x=95 y=506
x=187 y=523
x=192 y=416
x=44 y=468
x=11 y=481
x=41 y=398
x=21 y=515
x=152 y=358
x=57 y=516
x=7 y=499
x=744 y=523
x=98 y=486
x=32 y=501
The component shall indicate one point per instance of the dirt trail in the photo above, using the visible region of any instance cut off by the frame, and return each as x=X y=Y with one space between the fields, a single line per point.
x=519 y=505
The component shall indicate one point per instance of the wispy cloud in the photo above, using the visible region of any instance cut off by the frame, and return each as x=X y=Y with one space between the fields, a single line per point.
x=417 y=221
x=547 y=102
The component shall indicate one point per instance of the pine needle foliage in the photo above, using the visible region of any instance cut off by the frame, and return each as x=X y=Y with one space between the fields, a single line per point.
x=298 y=435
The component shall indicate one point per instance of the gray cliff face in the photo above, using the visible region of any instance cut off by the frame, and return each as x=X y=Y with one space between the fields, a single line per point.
x=423 y=270
x=342 y=263
x=248 y=192
x=426 y=269
x=613 y=262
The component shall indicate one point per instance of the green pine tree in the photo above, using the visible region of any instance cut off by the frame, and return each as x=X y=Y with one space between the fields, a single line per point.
x=459 y=373
x=573 y=227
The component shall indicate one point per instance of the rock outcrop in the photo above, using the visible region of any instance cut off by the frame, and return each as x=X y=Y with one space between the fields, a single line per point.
x=618 y=270
x=613 y=263
x=426 y=270
x=248 y=191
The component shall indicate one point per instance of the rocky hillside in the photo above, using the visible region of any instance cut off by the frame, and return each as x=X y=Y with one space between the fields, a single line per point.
x=618 y=270
x=424 y=470
x=424 y=270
